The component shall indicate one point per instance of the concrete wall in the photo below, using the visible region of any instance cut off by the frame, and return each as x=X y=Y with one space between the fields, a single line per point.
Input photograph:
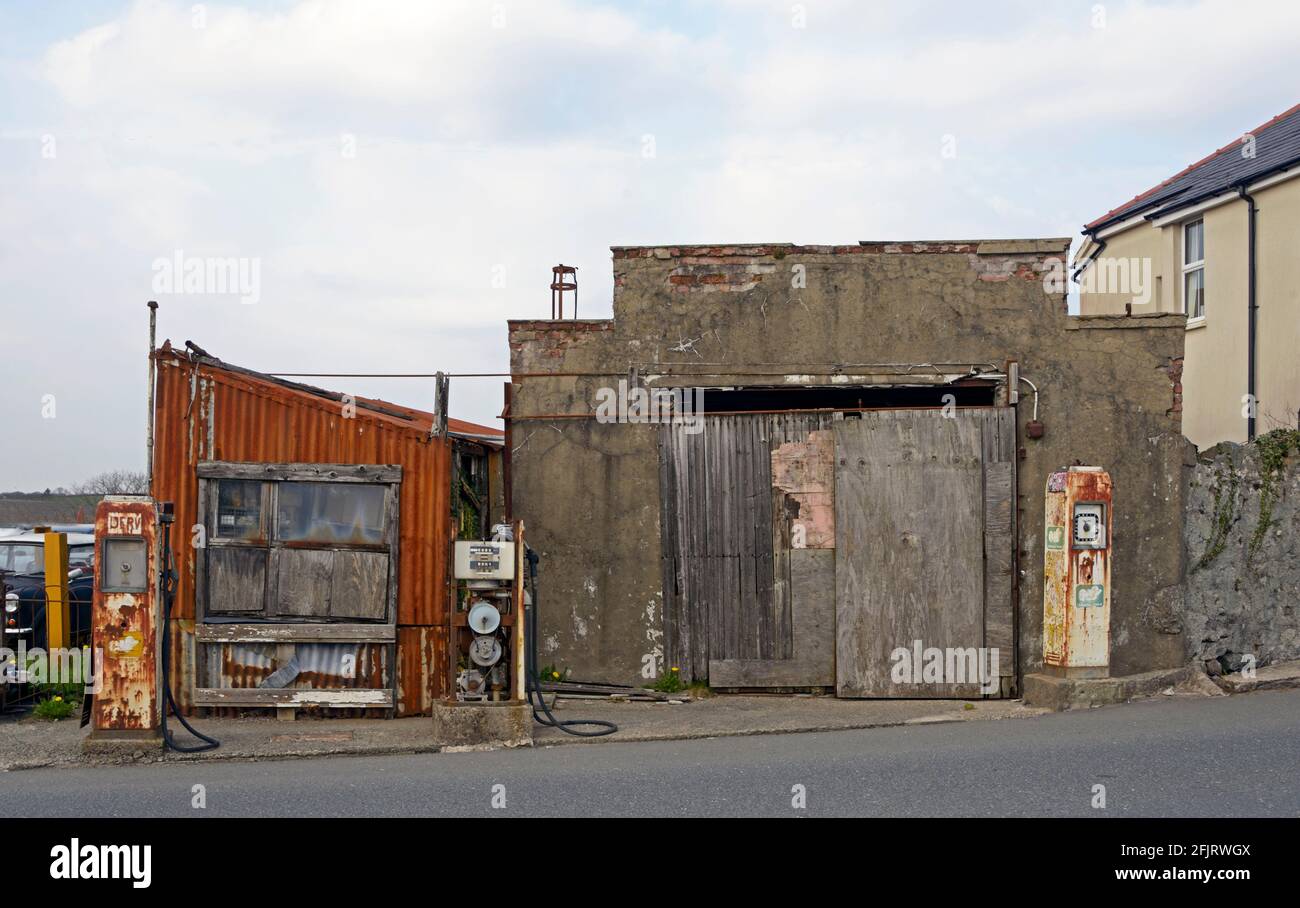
x=589 y=492
x=1215 y=375
x=1243 y=584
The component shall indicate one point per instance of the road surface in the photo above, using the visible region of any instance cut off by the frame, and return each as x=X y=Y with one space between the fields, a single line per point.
x=1177 y=757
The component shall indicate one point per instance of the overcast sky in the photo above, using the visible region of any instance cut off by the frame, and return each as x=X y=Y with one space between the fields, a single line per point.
x=387 y=167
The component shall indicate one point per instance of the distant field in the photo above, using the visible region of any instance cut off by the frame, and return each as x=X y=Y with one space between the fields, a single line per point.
x=43 y=509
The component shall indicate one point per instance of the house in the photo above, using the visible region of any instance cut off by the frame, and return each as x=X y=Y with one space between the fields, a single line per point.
x=777 y=463
x=311 y=539
x=1215 y=242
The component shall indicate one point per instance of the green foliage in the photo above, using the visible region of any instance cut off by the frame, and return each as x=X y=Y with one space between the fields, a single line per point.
x=670 y=682
x=1225 y=508
x=552 y=674
x=54 y=708
x=1273 y=448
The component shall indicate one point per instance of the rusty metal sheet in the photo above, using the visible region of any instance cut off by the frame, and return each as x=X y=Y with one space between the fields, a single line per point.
x=204 y=412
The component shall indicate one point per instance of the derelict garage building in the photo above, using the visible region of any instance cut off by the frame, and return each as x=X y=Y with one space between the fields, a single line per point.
x=864 y=475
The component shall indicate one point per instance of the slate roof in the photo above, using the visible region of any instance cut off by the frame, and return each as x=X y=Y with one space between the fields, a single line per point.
x=1277 y=148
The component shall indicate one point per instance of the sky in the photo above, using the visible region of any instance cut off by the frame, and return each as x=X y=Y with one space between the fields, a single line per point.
x=397 y=179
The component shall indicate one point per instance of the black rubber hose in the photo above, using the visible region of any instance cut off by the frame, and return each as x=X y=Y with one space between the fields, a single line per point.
x=568 y=726
x=169 y=701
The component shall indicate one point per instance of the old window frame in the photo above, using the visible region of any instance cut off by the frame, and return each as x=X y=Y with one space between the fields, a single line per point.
x=210 y=474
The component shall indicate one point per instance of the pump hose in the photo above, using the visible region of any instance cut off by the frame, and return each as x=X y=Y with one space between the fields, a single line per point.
x=169 y=701
x=599 y=726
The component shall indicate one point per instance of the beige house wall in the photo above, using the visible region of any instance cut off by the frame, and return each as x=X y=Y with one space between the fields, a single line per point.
x=1214 y=371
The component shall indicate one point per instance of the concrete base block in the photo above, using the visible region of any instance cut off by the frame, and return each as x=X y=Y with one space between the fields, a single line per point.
x=507 y=724
x=122 y=742
x=1050 y=691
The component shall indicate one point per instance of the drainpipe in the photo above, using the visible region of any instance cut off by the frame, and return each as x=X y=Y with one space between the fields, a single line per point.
x=1252 y=308
x=1101 y=247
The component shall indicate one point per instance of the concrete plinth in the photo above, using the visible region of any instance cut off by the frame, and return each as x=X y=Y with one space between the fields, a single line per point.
x=1053 y=691
x=122 y=742
x=508 y=724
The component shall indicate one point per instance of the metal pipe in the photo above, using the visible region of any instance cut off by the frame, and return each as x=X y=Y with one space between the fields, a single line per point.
x=1252 y=308
x=149 y=417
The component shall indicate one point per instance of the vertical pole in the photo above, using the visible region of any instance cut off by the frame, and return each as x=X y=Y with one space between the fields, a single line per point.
x=148 y=422
x=56 y=591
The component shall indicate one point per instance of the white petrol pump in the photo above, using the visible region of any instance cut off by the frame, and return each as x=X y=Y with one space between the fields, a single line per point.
x=487 y=632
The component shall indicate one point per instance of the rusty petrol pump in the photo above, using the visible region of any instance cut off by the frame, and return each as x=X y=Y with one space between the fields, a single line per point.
x=133 y=584
x=1076 y=573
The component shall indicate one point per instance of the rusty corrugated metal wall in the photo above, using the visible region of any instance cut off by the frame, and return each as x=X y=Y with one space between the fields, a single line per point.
x=208 y=413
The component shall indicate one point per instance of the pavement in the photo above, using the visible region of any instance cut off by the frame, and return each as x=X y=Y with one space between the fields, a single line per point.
x=29 y=743
x=1173 y=756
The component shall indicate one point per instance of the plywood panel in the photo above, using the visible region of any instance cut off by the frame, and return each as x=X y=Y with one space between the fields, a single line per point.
x=359 y=587
x=236 y=578
x=303 y=580
x=910 y=546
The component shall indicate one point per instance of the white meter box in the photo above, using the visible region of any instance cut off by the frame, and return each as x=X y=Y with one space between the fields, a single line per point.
x=485 y=560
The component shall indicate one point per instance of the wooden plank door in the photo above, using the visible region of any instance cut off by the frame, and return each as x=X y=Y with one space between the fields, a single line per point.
x=911 y=538
x=745 y=604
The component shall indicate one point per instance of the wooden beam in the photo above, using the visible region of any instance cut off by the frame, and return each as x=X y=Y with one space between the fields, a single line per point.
x=296 y=633
x=337 y=698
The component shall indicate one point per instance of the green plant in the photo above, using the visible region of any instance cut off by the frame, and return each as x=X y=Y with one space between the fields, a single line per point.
x=552 y=674
x=54 y=708
x=670 y=682
x=1273 y=448
x=1225 y=507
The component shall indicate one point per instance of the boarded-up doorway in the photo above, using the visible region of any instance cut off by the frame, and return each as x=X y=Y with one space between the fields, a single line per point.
x=802 y=550
x=924 y=545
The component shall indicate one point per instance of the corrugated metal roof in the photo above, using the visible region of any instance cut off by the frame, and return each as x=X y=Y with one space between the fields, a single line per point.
x=1277 y=147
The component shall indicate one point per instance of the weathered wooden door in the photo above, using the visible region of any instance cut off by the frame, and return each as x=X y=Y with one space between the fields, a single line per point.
x=749 y=590
x=924 y=545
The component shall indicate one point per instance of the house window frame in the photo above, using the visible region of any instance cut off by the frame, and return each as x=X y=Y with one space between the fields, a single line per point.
x=1190 y=267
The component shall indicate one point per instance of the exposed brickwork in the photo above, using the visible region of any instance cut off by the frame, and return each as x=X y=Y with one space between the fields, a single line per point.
x=1176 y=380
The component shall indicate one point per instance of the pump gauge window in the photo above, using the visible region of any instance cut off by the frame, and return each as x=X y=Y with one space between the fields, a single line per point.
x=1090 y=525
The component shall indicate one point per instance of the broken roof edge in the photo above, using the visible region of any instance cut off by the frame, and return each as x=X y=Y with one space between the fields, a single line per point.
x=1033 y=245
x=403 y=417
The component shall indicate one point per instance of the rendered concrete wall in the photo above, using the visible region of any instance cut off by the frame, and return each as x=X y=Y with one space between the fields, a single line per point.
x=590 y=492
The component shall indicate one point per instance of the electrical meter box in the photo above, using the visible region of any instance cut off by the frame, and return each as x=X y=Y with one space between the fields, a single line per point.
x=485 y=560
x=1076 y=572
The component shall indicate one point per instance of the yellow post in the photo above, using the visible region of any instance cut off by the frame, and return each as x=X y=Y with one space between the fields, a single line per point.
x=56 y=590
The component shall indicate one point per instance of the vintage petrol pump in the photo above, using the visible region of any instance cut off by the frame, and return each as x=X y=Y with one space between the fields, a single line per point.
x=134 y=585
x=1076 y=573
x=125 y=618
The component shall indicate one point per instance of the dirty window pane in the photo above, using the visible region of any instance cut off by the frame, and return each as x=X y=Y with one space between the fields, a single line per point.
x=330 y=513
x=239 y=509
x=22 y=559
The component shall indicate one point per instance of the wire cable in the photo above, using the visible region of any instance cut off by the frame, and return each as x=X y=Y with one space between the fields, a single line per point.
x=169 y=701
x=600 y=727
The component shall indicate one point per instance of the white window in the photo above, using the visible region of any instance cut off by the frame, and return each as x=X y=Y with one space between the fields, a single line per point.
x=1194 y=269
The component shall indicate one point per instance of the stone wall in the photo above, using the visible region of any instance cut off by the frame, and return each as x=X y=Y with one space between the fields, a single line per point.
x=1242 y=536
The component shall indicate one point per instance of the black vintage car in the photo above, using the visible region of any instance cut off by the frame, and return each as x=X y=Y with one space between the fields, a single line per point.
x=25 y=613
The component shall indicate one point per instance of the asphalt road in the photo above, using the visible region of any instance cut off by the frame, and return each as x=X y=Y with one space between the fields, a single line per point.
x=1187 y=757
